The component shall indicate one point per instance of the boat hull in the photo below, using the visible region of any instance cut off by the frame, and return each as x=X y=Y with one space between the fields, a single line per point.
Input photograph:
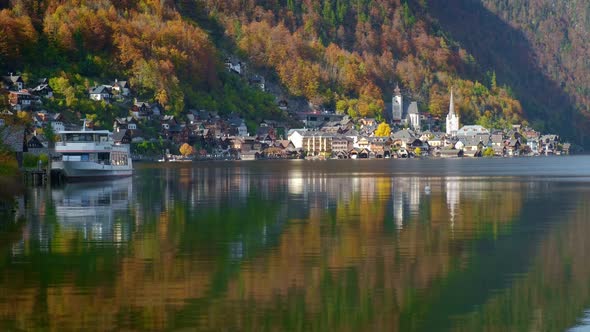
x=89 y=170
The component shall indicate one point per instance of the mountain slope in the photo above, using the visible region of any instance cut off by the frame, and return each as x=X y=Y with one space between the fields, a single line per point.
x=537 y=47
x=338 y=54
x=79 y=44
x=348 y=55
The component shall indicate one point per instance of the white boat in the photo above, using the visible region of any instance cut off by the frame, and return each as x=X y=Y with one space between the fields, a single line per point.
x=91 y=154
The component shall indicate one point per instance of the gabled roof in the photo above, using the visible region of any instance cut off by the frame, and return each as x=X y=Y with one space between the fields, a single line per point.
x=11 y=79
x=262 y=131
x=405 y=134
x=235 y=122
x=471 y=141
x=167 y=118
x=34 y=142
x=283 y=143
x=472 y=130
x=20 y=93
x=318 y=134
x=125 y=120
x=550 y=137
x=497 y=138
x=119 y=135
x=13 y=137
x=351 y=132
x=121 y=84
x=299 y=130
x=341 y=138
x=141 y=104
x=41 y=87
x=513 y=142
x=411 y=108
x=100 y=90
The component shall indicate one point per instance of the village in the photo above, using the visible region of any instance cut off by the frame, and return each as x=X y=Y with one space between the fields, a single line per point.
x=402 y=132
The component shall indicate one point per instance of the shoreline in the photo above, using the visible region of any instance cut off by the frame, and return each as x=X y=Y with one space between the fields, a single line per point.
x=156 y=161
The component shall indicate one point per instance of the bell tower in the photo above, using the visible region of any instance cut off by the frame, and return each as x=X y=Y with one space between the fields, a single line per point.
x=452 y=118
x=396 y=105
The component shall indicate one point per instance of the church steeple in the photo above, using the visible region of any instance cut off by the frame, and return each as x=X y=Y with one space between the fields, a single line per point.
x=452 y=118
x=397 y=92
x=452 y=104
x=397 y=103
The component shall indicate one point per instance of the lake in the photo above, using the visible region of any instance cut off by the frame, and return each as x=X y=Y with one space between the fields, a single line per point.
x=353 y=245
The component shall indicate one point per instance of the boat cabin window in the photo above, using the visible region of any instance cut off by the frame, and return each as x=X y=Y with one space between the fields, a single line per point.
x=84 y=137
x=119 y=159
x=104 y=158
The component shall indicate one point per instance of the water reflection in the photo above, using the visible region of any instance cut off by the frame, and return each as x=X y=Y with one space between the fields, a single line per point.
x=234 y=246
x=93 y=209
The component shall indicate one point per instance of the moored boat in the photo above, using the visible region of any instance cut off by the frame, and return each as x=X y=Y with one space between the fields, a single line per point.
x=89 y=154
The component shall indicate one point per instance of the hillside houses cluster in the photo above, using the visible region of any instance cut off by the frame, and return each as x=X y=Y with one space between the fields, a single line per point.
x=471 y=141
x=316 y=134
x=239 y=68
x=117 y=90
x=339 y=138
x=21 y=97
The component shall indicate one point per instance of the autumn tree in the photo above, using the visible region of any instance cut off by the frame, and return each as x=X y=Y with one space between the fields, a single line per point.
x=186 y=150
x=17 y=35
x=383 y=130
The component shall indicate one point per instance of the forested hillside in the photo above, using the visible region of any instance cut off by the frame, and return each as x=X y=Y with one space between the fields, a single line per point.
x=349 y=55
x=342 y=55
x=538 y=47
x=79 y=44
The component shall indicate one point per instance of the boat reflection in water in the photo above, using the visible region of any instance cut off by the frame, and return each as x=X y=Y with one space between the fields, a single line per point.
x=93 y=208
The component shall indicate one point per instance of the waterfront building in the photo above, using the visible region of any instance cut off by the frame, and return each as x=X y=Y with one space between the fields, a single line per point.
x=316 y=143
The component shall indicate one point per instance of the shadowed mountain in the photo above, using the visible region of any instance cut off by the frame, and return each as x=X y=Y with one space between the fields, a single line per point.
x=498 y=46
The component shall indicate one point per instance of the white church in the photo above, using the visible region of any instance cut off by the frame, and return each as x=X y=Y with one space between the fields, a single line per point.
x=452 y=118
x=404 y=114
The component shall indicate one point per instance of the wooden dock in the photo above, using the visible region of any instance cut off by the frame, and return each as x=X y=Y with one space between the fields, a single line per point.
x=36 y=177
x=42 y=177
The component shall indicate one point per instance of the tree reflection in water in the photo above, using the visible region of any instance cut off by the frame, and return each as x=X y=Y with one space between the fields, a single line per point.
x=240 y=248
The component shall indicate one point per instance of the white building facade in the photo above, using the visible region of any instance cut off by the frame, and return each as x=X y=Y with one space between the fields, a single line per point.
x=396 y=105
x=452 y=119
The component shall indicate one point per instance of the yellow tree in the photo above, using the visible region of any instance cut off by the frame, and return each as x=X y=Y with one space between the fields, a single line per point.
x=383 y=130
x=186 y=150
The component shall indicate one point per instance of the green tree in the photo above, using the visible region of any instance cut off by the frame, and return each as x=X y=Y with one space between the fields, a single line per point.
x=49 y=134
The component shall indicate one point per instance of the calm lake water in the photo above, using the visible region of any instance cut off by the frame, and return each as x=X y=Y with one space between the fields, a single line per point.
x=490 y=245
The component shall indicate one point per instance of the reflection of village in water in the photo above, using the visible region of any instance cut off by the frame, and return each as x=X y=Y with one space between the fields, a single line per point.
x=97 y=211
x=206 y=241
x=106 y=213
